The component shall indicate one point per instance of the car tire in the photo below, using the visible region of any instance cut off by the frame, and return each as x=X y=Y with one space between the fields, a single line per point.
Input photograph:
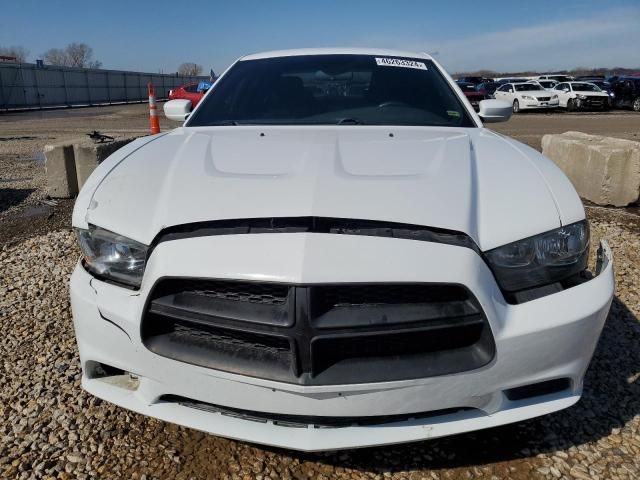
x=571 y=105
x=636 y=104
x=516 y=106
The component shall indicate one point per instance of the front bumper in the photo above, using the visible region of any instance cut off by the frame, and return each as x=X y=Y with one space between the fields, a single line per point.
x=592 y=103
x=534 y=104
x=545 y=339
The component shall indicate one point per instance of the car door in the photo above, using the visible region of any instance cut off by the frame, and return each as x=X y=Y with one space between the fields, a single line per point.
x=509 y=93
x=503 y=92
x=192 y=93
x=564 y=93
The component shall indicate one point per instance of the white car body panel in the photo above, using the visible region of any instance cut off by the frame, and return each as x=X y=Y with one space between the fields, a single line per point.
x=450 y=178
x=470 y=180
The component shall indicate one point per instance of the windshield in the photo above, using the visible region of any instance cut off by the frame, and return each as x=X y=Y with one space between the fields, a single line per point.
x=585 y=87
x=330 y=90
x=527 y=87
x=489 y=86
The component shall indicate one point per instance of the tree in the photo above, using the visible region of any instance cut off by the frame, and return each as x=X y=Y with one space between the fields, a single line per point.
x=190 y=69
x=79 y=54
x=74 y=55
x=55 y=56
x=20 y=53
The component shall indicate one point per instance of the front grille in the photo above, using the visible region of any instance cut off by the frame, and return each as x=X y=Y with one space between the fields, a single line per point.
x=544 y=99
x=594 y=101
x=318 y=334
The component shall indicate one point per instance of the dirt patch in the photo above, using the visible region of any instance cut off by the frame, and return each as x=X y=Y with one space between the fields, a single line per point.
x=36 y=220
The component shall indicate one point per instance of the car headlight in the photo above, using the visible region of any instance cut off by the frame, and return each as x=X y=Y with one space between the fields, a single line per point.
x=555 y=97
x=527 y=97
x=113 y=256
x=612 y=95
x=582 y=97
x=540 y=260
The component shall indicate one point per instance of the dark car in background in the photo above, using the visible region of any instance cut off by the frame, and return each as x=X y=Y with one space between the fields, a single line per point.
x=627 y=93
x=488 y=87
x=473 y=95
x=605 y=87
x=473 y=79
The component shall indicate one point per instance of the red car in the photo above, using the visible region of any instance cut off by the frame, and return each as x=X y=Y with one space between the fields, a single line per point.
x=187 y=92
x=472 y=93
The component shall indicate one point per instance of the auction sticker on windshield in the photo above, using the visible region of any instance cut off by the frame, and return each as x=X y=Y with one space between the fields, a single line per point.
x=399 y=62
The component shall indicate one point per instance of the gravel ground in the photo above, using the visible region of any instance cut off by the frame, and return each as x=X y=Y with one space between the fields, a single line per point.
x=50 y=428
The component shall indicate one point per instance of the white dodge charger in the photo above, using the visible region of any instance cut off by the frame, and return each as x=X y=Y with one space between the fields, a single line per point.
x=333 y=252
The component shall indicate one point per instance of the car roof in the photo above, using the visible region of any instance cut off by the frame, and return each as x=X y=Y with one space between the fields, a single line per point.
x=336 y=51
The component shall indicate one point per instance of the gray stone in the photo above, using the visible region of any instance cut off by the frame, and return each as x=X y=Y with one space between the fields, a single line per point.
x=60 y=171
x=604 y=170
x=68 y=164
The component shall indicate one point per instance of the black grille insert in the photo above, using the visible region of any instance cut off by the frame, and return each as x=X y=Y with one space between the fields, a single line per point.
x=320 y=334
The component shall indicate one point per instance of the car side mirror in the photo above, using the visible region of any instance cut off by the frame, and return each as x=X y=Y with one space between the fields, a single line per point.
x=177 y=110
x=493 y=111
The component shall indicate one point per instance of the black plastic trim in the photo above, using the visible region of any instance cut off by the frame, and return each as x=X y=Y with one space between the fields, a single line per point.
x=538 y=389
x=334 y=225
x=304 y=421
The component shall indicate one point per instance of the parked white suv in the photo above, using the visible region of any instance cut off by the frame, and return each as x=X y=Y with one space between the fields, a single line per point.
x=529 y=95
x=333 y=252
x=581 y=96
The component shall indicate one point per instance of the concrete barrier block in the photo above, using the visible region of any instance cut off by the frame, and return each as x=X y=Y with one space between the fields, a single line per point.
x=68 y=164
x=89 y=155
x=604 y=170
x=60 y=171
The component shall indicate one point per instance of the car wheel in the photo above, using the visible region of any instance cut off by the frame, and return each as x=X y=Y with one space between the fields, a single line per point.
x=571 y=105
x=636 y=104
x=516 y=106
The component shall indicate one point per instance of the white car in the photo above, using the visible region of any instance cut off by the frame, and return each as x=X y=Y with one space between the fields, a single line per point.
x=333 y=252
x=528 y=95
x=582 y=96
x=547 y=84
x=555 y=77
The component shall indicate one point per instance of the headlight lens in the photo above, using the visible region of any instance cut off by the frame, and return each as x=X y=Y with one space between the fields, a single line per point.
x=528 y=97
x=113 y=256
x=555 y=97
x=541 y=260
x=582 y=97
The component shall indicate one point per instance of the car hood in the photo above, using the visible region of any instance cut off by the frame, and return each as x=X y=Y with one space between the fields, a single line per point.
x=468 y=180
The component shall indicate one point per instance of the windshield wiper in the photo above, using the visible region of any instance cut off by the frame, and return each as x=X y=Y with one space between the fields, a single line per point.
x=350 y=121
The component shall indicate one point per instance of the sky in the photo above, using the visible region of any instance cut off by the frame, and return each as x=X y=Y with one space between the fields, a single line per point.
x=463 y=35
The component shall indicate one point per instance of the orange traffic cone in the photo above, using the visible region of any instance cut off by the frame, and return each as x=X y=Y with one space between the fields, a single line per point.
x=153 y=110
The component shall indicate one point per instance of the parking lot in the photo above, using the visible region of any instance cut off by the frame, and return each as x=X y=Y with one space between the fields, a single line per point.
x=50 y=428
